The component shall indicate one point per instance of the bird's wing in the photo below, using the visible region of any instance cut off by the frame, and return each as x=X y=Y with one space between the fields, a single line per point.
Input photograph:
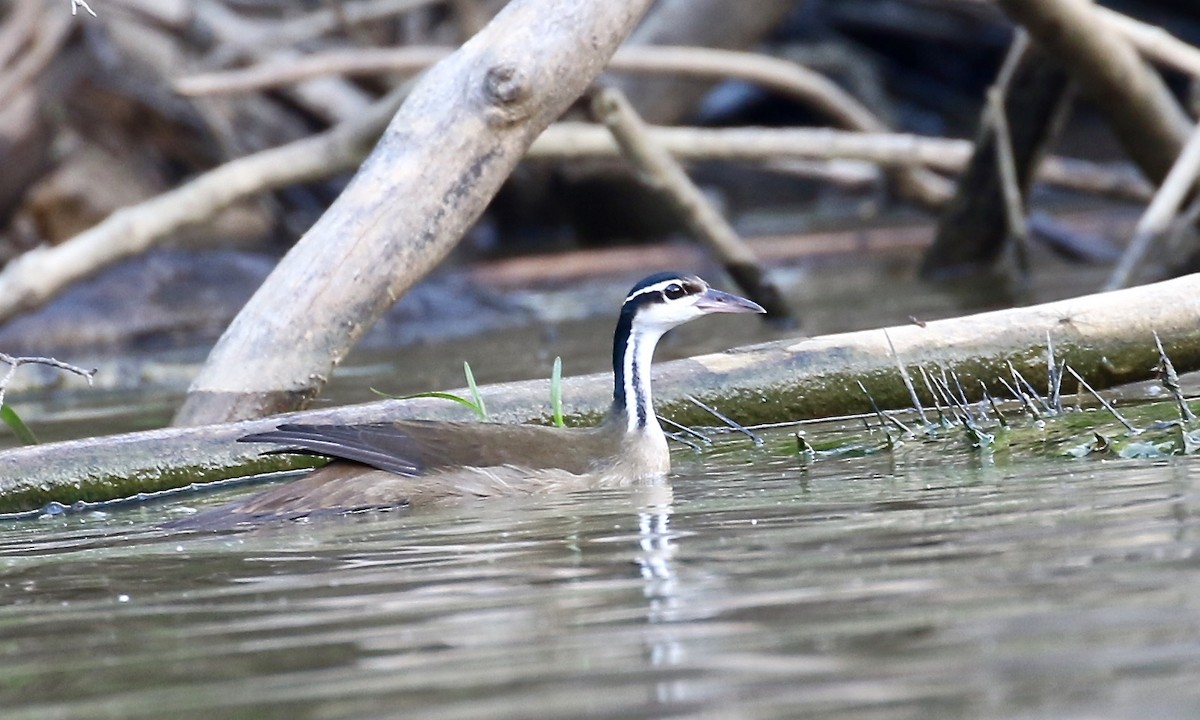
x=377 y=445
x=416 y=447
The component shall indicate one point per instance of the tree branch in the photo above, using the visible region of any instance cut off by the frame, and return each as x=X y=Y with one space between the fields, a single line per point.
x=38 y=275
x=1147 y=120
x=1161 y=211
x=16 y=362
x=781 y=76
x=663 y=173
x=457 y=137
x=31 y=279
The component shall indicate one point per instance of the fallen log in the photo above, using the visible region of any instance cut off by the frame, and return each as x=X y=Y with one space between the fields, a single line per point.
x=1108 y=338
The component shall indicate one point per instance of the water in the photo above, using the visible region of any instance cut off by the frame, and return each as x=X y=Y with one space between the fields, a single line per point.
x=926 y=583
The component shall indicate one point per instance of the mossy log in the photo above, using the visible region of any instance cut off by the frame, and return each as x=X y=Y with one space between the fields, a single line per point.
x=1107 y=338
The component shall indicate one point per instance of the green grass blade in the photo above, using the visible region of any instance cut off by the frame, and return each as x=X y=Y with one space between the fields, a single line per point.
x=480 y=408
x=475 y=403
x=436 y=395
x=17 y=425
x=556 y=392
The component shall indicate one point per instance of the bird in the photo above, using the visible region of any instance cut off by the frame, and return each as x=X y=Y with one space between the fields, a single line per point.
x=417 y=462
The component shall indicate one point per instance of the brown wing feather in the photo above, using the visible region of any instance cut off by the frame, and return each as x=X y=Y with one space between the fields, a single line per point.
x=415 y=447
x=378 y=446
x=387 y=465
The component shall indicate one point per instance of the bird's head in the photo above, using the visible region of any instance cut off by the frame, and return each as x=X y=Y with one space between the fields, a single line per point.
x=665 y=300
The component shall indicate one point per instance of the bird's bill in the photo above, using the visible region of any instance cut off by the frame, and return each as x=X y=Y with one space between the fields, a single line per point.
x=715 y=301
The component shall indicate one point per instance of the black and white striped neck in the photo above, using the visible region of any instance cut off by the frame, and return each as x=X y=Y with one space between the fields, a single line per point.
x=633 y=351
x=654 y=306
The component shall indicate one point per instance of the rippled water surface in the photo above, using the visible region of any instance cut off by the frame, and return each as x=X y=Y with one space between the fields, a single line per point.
x=929 y=582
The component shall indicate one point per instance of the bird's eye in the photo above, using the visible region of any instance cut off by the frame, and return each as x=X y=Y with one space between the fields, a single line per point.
x=674 y=291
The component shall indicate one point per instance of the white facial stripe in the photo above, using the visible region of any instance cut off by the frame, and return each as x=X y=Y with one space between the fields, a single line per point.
x=656 y=287
x=638 y=355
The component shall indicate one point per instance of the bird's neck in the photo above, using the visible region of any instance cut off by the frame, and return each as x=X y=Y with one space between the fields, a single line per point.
x=633 y=350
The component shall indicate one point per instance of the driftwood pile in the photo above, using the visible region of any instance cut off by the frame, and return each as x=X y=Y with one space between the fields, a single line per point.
x=244 y=111
x=202 y=121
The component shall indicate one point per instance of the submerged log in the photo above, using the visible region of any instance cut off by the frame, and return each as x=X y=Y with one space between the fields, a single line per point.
x=1108 y=338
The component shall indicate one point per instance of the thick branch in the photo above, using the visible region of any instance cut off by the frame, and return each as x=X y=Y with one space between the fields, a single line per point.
x=457 y=137
x=1150 y=124
x=1155 y=43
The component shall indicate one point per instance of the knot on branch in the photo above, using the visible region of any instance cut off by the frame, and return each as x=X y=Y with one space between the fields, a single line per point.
x=506 y=89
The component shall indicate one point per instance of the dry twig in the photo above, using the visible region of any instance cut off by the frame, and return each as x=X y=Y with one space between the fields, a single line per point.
x=782 y=76
x=1006 y=161
x=31 y=279
x=572 y=141
x=992 y=403
x=937 y=404
x=1170 y=380
x=44 y=43
x=908 y=383
x=277 y=73
x=884 y=418
x=685 y=430
x=1161 y=211
x=16 y=362
x=660 y=171
x=1014 y=205
x=76 y=4
x=758 y=441
x=1107 y=405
